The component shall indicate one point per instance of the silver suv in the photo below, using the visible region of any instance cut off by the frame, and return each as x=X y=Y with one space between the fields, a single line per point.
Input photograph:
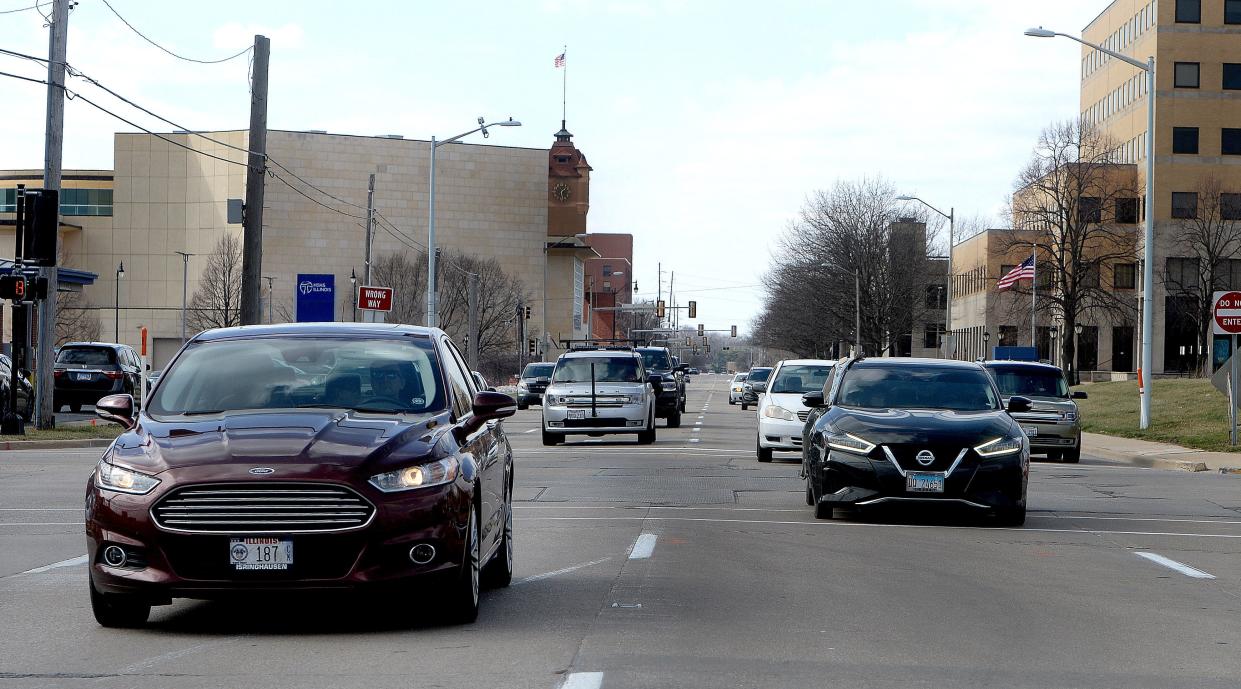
x=1053 y=424
x=598 y=392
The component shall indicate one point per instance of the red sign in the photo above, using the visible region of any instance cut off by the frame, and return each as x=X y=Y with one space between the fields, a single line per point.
x=380 y=298
x=1227 y=312
x=144 y=340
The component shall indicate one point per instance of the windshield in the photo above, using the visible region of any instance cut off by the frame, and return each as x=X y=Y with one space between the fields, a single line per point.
x=538 y=370
x=656 y=359
x=1030 y=381
x=382 y=375
x=801 y=378
x=739 y=378
x=917 y=387
x=612 y=369
x=758 y=375
x=89 y=356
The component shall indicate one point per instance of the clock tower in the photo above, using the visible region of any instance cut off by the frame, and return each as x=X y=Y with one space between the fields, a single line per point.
x=568 y=187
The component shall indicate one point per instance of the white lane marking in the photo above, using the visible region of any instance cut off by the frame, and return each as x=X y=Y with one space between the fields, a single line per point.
x=1173 y=564
x=173 y=655
x=531 y=430
x=697 y=423
x=1141 y=519
x=558 y=572
x=694 y=440
x=644 y=547
x=695 y=429
x=583 y=680
x=71 y=562
x=41 y=523
x=654 y=507
x=40 y=509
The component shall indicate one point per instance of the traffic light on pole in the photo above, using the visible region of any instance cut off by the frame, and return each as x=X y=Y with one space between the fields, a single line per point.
x=659 y=309
x=704 y=341
x=688 y=342
x=693 y=312
x=527 y=313
x=13 y=287
x=530 y=346
x=734 y=331
x=701 y=330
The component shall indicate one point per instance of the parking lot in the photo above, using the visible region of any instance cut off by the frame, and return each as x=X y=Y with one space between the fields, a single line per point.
x=687 y=563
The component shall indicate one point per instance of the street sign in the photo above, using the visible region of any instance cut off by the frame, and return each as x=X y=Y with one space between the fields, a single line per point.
x=375 y=298
x=1227 y=312
x=315 y=298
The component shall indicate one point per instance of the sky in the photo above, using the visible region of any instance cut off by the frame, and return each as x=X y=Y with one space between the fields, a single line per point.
x=707 y=123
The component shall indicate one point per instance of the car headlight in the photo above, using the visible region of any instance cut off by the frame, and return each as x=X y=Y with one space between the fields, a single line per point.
x=635 y=398
x=419 y=476
x=1070 y=416
x=847 y=442
x=522 y=387
x=109 y=476
x=998 y=447
x=773 y=411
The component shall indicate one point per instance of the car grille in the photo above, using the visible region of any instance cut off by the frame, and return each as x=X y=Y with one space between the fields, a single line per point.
x=262 y=508
x=906 y=456
x=803 y=415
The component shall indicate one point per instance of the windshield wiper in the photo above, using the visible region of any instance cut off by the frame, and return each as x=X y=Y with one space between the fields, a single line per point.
x=202 y=412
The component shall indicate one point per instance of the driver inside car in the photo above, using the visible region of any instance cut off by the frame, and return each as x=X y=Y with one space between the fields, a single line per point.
x=387 y=381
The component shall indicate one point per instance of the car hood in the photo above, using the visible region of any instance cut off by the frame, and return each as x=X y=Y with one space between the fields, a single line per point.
x=1049 y=404
x=788 y=400
x=271 y=438
x=601 y=388
x=922 y=426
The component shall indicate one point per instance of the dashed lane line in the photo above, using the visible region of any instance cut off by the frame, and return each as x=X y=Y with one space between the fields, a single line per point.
x=583 y=680
x=644 y=547
x=71 y=562
x=558 y=572
x=1174 y=565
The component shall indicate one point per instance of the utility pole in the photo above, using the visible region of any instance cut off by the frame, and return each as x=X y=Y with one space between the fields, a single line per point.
x=185 y=284
x=472 y=355
x=256 y=177
x=370 y=225
x=53 y=149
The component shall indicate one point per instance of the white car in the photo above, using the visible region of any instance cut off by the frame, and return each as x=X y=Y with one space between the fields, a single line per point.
x=599 y=391
x=735 y=388
x=781 y=414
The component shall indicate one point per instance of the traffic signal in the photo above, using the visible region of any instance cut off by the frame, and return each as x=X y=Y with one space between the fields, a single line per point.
x=688 y=342
x=13 y=287
x=659 y=309
x=527 y=313
x=734 y=331
x=705 y=341
x=41 y=221
x=701 y=331
x=530 y=345
x=693 y=312
x=708 y=349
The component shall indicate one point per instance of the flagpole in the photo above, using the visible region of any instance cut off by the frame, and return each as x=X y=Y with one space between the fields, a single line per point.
x=564 y=86
x=1033 y=295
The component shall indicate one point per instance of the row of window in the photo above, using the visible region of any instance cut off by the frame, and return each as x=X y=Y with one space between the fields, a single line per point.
x=1185 y=140
x=1182 y=274
x=1120 y=98
x=1185 y=205
x=72 y=201
x=1190 y=11
x=1128 y=32
x=1188 y=75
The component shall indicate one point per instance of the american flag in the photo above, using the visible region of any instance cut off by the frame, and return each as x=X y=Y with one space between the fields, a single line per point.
x=560 y=60
x=1025 y=271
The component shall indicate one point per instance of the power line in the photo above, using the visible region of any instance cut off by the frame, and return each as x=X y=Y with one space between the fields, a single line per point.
x=179 y=57
x=277 y=163
x=25 y=9
x=272 y=173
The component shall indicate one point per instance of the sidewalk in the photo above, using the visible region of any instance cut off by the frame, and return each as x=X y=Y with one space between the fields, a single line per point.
x=1158 y=455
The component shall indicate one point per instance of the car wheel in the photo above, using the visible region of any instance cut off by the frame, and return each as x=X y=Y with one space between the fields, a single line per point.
x=674 y=420
x=552 y=438
x=764 y=453
x=1012 y=516
x=522 y=407
x=118 y=611
x=809 y=494
x=499 y=572
x=76 y=408
x=730 y=402
x=1075 y=455
x=744 y=406
x=1054 y=455
x=464 y=594
x=647 y=437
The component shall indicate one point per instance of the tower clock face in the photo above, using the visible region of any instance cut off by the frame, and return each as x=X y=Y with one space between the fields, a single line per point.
x=561 y=192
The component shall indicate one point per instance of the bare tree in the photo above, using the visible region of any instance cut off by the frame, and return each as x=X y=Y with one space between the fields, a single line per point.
x=76 y=321
x=1081 y=208
x=217 y=301
x=1211 y=240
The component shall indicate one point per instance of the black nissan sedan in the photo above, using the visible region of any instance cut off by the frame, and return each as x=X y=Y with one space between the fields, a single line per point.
x=921 y=431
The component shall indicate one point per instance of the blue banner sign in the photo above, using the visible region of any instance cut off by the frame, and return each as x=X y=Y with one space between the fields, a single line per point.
x=316 y=297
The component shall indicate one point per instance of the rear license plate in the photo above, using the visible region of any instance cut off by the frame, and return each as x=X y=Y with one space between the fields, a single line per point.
x=577 y=413
x=260 y=553
x=924 y=482
x=81 y=376
x=1030 y=431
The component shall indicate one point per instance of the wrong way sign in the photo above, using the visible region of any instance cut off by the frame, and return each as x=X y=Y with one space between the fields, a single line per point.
x=380 y=298
x=1227 y=312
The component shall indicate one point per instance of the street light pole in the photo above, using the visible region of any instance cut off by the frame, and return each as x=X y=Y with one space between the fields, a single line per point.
x=432 y=286
x=185 y=284
x=120 y=273
x=951 y=215
x=270 y=279
x=1145 y=373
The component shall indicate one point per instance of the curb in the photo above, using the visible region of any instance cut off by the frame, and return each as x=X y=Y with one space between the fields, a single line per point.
x=54 y=444
x=1230 y=470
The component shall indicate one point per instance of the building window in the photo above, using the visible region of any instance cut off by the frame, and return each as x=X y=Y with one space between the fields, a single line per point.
x=1126 y=211
x=1232 y=76
x=607 y=270
x=1230 y=206
x=1185 y=140
x=1186 y=75
x=1230 y=142
x=932 y=334
x=1231 y=275
x=1089 y=276
x=936 y=297
x=1189 y=11
x=1125 y=276
x=1008 y=336
x=1182 y=274
x=1232 y=11
x=1089 y=209
x=1185 y=204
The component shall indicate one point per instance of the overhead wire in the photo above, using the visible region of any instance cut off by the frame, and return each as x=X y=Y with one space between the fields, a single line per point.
x=25 y=9
x=179 y=57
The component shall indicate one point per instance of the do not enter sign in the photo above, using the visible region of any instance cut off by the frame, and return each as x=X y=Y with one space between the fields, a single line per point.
x=1227 y=313
x=380 y=298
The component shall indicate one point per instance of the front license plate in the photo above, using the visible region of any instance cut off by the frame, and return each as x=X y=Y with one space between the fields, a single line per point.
x=924 y=482
x=81 y=376
x=577 y=413
x=260 y=553
x=1030 y=431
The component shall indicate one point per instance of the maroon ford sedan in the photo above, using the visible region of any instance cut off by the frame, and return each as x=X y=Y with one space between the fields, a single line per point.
x=302 y=457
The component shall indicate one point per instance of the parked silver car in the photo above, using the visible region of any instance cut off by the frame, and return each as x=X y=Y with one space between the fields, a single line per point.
x=736 y=388
x=1054 y=423
x=598 y=392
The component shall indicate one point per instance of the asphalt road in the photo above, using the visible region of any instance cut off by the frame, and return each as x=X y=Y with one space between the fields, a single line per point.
x=689 y=564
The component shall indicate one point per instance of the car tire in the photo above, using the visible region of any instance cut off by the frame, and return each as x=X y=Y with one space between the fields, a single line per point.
x=764 y=453
x=1054 y=455
x=744 y=406
x=809 y=495
x=499 y=571
x=117 y=611
x=731 y=402
x=647 y=437
x=1073 y=456
x=463 y=594
x=674 y=420
x=823 y=510
x=76 y=408
x=1011 y=516
x=550 y=439
x=522 y=407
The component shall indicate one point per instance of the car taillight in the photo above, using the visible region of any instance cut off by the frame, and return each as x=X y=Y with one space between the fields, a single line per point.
x=113 y=375
x=58 y=372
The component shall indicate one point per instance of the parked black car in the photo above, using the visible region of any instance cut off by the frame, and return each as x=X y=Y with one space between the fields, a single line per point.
x=670 y=403
x=899 y=430
x=533 y=383
x=25 y=391
x=87 y=371
x=755 y=385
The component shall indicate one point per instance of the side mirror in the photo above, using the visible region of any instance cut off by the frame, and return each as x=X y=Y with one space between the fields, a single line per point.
x=683 y=368
x=656 y=382
x=24 y=373
x=491 y=389
x=489 y=405
x=117 y=409
x=813 y=399
x=760 y=388
x=1079 y=395
x=1018 y=404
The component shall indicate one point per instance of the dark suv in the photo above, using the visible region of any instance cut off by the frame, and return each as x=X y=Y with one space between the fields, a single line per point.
x=87 y=371
x=533 y=383
x=671 y=401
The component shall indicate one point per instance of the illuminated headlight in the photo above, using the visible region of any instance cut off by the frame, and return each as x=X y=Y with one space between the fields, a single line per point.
x=420 y=476
x=999 y=447
x=736 y=388
x=109 y=476
x=522 y=387
x=776 y=412
x=847 y=442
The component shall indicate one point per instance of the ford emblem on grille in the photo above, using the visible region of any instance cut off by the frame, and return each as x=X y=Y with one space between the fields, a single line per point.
x=925 y=458
x=262 y=471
